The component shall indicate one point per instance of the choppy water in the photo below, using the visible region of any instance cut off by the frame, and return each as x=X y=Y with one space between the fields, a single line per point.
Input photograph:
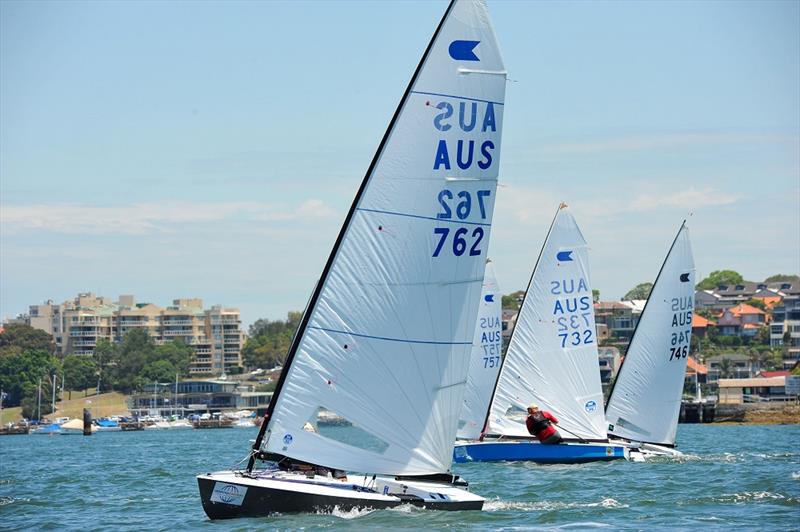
x=737 y=477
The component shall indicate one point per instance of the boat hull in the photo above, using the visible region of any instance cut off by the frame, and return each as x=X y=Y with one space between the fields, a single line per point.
x=229 y=494
x=533 y=451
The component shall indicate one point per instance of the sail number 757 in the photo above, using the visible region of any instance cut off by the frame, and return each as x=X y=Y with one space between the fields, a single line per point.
x=461 y=238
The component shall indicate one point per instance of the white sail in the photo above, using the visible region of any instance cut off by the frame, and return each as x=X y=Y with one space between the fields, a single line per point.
x=552 y=356
x=646 y=399
x=386 y=340
x=485 y=361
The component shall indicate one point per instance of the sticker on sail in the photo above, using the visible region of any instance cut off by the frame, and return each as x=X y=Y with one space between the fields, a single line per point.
x=489 y=298
x=684 y=277
x=590 y=406
x=564 y=256
x=287 y=439
x=463 y=50
x=228 y=493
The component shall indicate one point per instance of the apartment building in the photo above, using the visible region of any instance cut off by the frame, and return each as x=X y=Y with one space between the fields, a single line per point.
x=786 y=319
x=214 y=334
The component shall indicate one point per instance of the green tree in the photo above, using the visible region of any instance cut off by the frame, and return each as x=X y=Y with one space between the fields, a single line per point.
x=725 y=368
x=159 y=371
x=178 y=354
x=18 y=337
x=781 y=277
x=131 y=356
x=20 y=373
x=80 y=373
x=511 y=301
x=640 y=291
x=270 y=341
x=103 y=356
x=716 y=278
x=595 y=295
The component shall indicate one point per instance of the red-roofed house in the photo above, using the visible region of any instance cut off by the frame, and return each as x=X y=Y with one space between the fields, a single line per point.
x=700 y=325
x=741 y=320
x=769 y=374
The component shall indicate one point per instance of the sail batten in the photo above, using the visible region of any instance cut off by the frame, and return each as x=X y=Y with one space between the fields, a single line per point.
x=385 y=342
x=552 y=355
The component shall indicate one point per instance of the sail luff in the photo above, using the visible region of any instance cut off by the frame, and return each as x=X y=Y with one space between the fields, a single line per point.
x=296 y=340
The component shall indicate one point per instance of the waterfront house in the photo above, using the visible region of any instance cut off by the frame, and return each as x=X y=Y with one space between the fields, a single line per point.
x=738 y=391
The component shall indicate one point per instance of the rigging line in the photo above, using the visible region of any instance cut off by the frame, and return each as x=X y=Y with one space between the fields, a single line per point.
x=419 y=216
x=641 y=317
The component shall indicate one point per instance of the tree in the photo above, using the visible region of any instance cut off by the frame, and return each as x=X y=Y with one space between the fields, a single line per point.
x=640 y=291
x=18 y=337
x=595 y=295
x=513 y=300
x=20 y=373
x=80 y=373
x=270 y=341
x=159 y=371
x=103 y=356
x=720 y=277
x=725 y=368
x=178 y=354
x=780 y=277
x=130 y=357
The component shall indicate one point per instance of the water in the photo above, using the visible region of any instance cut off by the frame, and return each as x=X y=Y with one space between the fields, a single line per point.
x=737 y=476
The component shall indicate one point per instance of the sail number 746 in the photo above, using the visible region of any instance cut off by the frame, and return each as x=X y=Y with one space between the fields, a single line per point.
x=463 y=238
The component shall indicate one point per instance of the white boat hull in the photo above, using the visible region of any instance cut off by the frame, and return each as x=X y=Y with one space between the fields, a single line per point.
x=641 y=452
x=228 y=494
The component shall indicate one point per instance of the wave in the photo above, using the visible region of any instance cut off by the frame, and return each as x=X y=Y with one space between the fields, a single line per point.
x=546 y=506
x=353 y=513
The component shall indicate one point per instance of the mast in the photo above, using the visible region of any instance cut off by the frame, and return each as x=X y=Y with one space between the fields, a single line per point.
x=331 y=258
x=641 y=317
x=524 y=297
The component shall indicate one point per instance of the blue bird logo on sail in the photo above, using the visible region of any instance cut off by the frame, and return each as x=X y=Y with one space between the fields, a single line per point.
x=564 y=256
x=463 y=50
x=489 y=298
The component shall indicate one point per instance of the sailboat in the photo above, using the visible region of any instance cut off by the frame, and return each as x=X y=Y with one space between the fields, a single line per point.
x=645 y=399
x=386 y=336
x=484 y=363
x=551 y=361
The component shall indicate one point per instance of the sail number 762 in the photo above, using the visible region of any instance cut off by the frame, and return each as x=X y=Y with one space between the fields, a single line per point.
x=462 y=238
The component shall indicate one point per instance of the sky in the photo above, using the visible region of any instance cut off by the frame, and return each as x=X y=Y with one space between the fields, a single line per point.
x=212 y=149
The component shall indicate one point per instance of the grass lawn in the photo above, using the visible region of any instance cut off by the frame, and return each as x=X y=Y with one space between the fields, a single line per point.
x=105 y=404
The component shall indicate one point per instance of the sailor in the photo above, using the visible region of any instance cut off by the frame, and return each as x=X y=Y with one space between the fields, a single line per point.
x=540 y=424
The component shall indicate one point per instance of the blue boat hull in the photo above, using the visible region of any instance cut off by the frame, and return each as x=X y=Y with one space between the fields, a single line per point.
x=533 y=451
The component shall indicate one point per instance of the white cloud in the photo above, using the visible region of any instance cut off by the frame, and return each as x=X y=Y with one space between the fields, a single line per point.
x=144 y=218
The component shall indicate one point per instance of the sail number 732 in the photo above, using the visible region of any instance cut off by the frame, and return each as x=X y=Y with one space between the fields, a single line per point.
x=461 y=239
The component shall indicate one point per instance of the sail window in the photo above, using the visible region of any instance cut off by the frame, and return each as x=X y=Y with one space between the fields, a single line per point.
x=331 y=425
